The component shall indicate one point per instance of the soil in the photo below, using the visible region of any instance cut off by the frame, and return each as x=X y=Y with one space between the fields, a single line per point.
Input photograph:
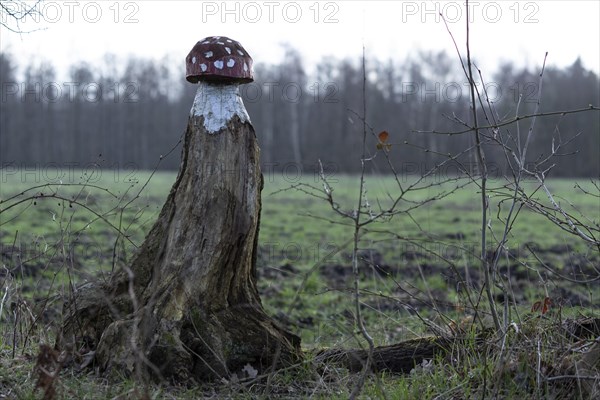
x=404 y=280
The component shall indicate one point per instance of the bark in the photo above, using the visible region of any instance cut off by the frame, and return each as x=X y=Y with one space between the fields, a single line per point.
x=397 y=358
x=404 y=356
x=188 y=306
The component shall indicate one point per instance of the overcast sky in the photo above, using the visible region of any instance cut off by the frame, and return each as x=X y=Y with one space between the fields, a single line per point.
x=516 y=31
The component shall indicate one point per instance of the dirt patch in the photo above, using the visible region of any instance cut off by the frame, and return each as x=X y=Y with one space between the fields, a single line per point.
x=341 y=275
x=455 y=236
x=559 y=249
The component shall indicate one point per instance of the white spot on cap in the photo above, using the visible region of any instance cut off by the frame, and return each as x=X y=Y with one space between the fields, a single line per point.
x=245 y=67
x=221 y=43
x=206 y=42
x=228 y=50
x=208 y=54
x=203 y=67
x=231 y=62
x=229 y=41
x=219 y=64
x=241 y=53
x=194 y=60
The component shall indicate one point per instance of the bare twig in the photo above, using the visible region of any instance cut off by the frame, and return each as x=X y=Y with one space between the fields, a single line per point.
x=512 y=121
x=357 y=227
x=484 y=196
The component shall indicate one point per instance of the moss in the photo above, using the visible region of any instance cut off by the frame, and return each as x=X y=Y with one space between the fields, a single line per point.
x=169 y=338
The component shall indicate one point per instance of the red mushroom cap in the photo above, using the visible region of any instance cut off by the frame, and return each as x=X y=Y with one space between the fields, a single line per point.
x=218 y=59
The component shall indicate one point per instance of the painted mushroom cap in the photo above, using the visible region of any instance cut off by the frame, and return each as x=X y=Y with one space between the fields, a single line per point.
x=218 y=59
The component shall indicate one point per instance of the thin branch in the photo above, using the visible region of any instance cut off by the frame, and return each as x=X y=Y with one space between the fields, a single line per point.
x=513 y=120
x=482 y=164
x=357 y=228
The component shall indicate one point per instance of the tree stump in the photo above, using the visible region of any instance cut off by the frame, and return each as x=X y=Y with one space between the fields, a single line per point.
x=188 y=306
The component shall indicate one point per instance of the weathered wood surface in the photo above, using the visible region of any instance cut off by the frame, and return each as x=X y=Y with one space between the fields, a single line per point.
x=404 y=356
x=188 y=306
x=398 y=358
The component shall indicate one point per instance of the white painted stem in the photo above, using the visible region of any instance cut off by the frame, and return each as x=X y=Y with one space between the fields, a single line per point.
x=218 y=103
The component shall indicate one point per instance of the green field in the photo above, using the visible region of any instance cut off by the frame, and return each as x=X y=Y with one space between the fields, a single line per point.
x=62 y=231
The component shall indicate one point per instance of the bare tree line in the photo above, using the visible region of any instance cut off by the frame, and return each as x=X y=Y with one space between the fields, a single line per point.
x=127 y=116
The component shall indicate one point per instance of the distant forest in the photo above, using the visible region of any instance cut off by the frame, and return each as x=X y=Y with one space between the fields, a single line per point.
x=127 y=114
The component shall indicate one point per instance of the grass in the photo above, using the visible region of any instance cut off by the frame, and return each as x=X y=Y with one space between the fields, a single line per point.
x=79 y=230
